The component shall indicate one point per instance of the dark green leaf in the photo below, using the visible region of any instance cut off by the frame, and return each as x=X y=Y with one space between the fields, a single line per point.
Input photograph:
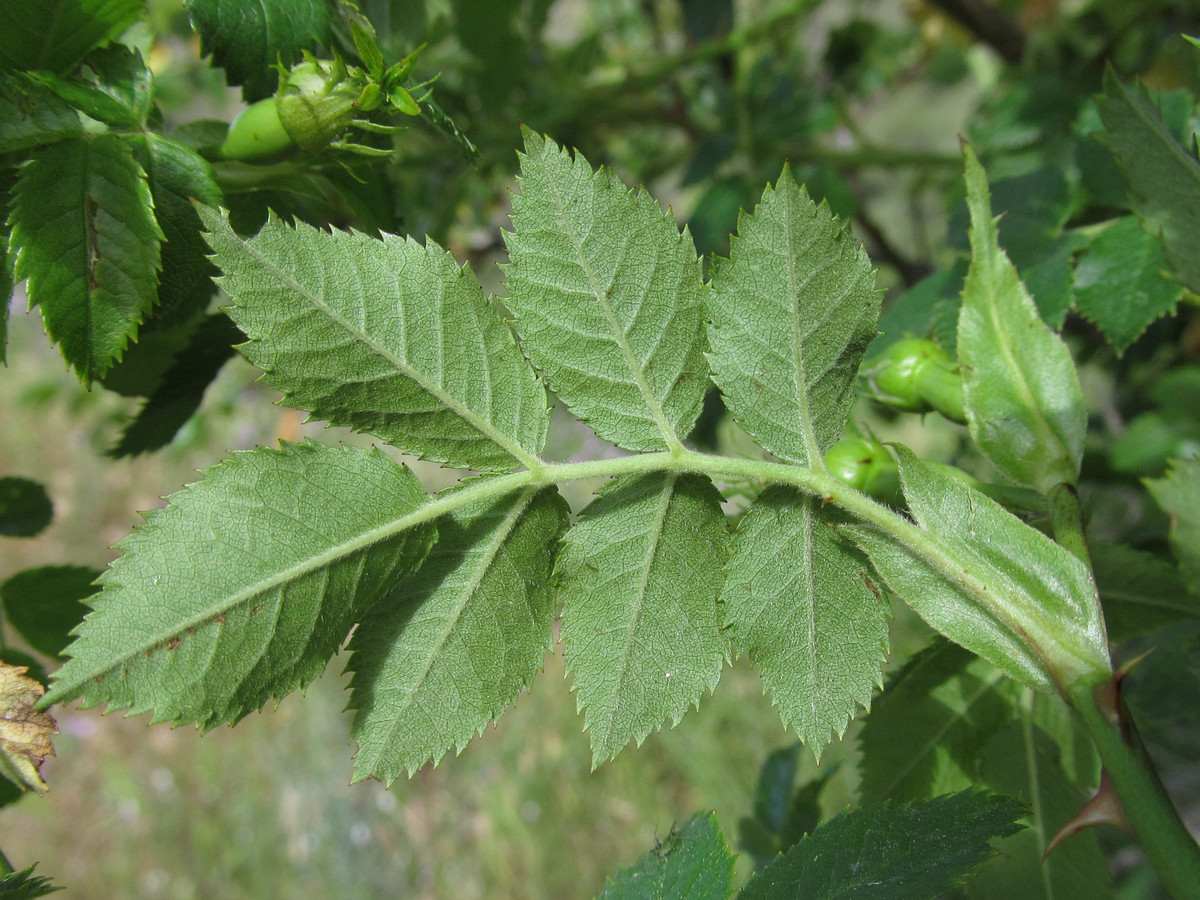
x=1178 y=492
x=56 y=34
x=245 y=585
x=926 y=729
x=608 y=298
x=385 y=336
x=792 y=313
x=181 y=388
x=119 y=92
x=247 y=39
x=1024 y=405
x=456 y=641
x=86 y=238
x=24 y=885
x=31 y=115
x=25 y=507
x=882 y=852
x=1164 y=176
x=1139 y=591
x=1119 y=283
x=46 y=604
x=690 y=863
x=639 y=578
x=797 y=600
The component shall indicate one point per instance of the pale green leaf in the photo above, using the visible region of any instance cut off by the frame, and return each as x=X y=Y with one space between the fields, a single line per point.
x=639 y=578
x=1024 y=762
x=1119 y=283
x=926 y=729
x=1163 y=174
x=798 y=601
x=1178 y=493
x=386 y=336
x=86 y=238
x=882 y=852
x=792 y=313
x=56 y=34
x=242 y=588
x=608 y=298
x=991 y=583
x=690 y=863
x=1023 y=401
x=247 y=39
x=456 y=641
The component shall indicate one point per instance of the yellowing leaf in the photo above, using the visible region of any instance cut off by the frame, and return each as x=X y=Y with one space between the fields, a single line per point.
x=24 y=731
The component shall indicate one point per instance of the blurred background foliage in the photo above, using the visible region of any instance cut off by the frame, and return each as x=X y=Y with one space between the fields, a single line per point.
x=702 y=101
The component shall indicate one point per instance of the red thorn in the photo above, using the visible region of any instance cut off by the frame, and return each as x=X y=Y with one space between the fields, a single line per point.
x=1102 y=809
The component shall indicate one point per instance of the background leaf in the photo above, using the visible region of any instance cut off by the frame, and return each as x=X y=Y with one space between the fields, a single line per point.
x=24 y=885
x=608 y=298
x=86 y=238
x=1119 y=283
x=45 y=604
x=1164 y=176
x=457 y=640
x=245 y=585
x=31 y=115
x=690 y=863
x=1178 y=492
x=1024 y=406
x=1140 y=592
x=246 y=39
x=385 y=336
x=25 y=507
x=56 y=34
x=638 y=580
x=792 y=313
x=796 y=599
x=906 y=852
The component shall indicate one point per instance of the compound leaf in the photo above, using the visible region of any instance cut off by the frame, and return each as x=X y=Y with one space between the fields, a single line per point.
x=1119 y=283
x=991 y=583
x=608 y=298
x=247 y=39
x=386 y=336
x=1023 y=402
x=792 y=313
x=457 y=640
x=243 y=587
x=639 y=578
x=1163 y=174
x=86 y=238
x=690 y=863
x=797 y=600
x=911 y=852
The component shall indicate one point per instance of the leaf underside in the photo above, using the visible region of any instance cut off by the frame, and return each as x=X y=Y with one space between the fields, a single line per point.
x=798 y=601
x=638 y=578
x=608 y=299
x=242 y=588
x=386 y=336
x=457 y=640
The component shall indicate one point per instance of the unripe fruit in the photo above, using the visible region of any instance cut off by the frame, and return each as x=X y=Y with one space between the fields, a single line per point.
x=916 y=375
x=865 y=465
x=257 y=133
x=316 y=103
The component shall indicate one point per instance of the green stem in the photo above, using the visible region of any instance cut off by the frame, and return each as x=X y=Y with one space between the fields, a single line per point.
x=1151 y=816
x=1066 y=518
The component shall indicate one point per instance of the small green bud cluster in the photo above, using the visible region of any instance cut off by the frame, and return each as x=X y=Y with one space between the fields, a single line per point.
x=916 y=375
x=867 y=466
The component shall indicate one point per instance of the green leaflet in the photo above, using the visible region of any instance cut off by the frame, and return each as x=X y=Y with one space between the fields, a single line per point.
x=1178 y=492
x=457 y=640
x=926 y=729
x=1140 y=592
x=31 y=115
x=792 y=313
x=245 y=585
x=45 y=604
x=25 y=508
x=638 y=579
x=608 y=298
x=693 y=862
x=386 y=336
x=910 y=852
x=1119 y=283
x=1024 y=406
x=86 y=238
x=1164 y=175
x=989 y=582
x=247 y=39
x=797 y=600
x=56 y=34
